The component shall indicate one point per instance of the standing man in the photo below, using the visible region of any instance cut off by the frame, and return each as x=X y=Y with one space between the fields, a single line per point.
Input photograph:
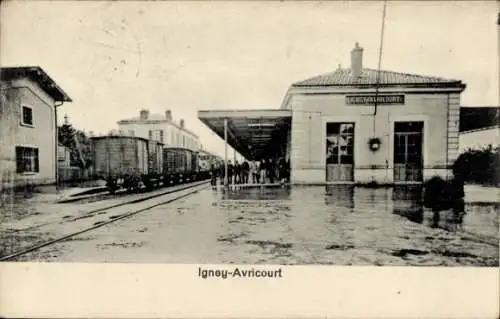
x=262 y=169
x=222 y=173
x=271 y=172
x=253 y=171
x=230 y=171
x=245 y=169
x=237 y=172
x=213 y=177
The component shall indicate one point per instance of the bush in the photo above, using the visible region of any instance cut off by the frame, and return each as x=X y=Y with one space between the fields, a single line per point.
x=479 y=166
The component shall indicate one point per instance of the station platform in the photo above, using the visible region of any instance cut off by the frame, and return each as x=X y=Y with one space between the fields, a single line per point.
x=266 y=185
x=255 y=134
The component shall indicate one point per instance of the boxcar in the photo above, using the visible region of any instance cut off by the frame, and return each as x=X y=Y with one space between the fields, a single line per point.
x=127 y=161
x=180 y=165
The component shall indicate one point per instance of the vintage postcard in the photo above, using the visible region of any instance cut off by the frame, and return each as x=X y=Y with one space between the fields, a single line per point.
x=333 y=159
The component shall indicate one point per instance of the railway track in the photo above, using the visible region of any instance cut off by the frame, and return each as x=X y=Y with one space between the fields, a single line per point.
x=137 y=205
x=137 y=198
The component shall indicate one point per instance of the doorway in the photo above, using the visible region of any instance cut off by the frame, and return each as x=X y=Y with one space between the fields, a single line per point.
x=339 y=152
x=408 y=151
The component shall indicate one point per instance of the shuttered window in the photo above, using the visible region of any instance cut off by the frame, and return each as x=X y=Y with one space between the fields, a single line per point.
x=27 y=160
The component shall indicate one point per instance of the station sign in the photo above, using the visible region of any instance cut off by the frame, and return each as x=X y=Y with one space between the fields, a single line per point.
x=371 y=99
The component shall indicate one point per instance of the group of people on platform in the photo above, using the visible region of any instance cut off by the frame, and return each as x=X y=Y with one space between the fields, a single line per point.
x=253 y=172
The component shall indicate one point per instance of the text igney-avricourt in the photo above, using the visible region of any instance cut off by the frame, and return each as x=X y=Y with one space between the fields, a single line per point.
x=239 y=273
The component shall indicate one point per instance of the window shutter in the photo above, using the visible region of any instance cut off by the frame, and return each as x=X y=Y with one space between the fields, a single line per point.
x=19 y=159
x=35 y=154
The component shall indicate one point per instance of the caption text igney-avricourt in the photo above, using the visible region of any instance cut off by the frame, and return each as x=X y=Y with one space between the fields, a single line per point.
x=239 y=273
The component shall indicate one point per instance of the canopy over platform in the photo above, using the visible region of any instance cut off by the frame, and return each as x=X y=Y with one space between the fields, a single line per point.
x=255 y=134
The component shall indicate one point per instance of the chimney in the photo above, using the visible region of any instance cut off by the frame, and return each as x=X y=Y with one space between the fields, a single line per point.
x=144 y=114
x=357 y=60
x=182 y=123
x=168 y=115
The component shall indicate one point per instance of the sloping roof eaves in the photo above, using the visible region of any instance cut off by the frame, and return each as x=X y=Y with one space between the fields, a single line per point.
x=38 y=75
x=345 y=78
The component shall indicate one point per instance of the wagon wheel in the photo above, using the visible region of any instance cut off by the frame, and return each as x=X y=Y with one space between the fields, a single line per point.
x=111 y=185
x=137 y=182
x=147 y=182
x=127 y=183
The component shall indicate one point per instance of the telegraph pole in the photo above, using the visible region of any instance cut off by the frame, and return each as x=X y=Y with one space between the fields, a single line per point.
x=225 y=153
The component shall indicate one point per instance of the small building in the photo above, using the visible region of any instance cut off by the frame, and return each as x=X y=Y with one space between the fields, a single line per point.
x=480 y=138
x=63 y=156
x=28 y=126
x=479 y=127
x=361 y=125
x=161 y=128
x=354 y=125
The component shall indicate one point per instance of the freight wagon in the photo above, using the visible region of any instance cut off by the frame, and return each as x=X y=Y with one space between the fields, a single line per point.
x=180 y=165
x=128 y=162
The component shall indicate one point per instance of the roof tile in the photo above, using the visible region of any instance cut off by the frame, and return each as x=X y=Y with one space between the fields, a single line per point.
x=345 y=77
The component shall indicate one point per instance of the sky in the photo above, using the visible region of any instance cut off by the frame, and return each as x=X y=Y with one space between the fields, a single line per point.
x=114 y=58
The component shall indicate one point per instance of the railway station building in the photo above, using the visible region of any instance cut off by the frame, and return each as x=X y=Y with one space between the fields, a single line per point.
x=161 y=128
x=353 y=125
x=28 y=126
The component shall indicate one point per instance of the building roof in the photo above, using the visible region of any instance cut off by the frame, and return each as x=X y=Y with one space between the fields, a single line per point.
x=479 y=117
x=345 y=77
x=154 y=118
x=113 y=136
x=254 y=133
x=151 y=117
x=37 y=74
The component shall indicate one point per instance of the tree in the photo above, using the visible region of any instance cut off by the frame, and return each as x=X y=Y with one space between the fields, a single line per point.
x=68 y=137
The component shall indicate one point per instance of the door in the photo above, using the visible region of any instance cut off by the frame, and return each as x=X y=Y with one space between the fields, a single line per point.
x=408 y=154
x=339 y=152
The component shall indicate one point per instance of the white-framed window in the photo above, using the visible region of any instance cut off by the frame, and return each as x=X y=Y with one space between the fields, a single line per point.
x=26 y=115
x=27 y=160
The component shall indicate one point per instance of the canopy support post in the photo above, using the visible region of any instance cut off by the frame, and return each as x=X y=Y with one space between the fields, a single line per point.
x=225 y=153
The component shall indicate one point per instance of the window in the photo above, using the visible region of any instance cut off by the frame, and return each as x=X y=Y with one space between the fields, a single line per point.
x=340 y=143
x=131 y=132
x=150 y=134
x=27 y=160
x=161 y=136
x=27 y=116
x=408 y=138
